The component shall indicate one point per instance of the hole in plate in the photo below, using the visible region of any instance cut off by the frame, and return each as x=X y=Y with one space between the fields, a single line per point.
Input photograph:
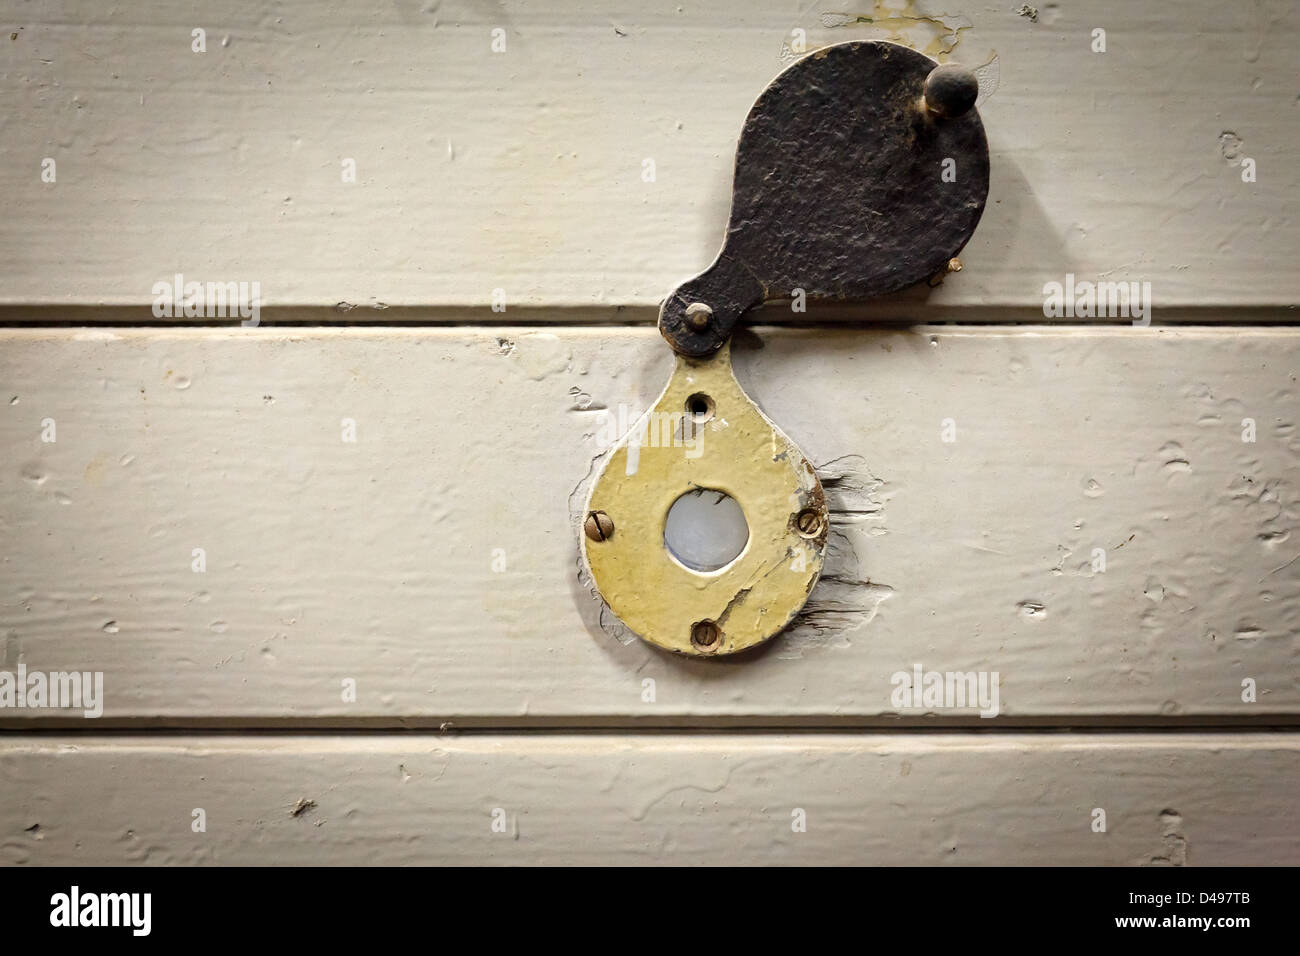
x=705 y=530
x=700 y=407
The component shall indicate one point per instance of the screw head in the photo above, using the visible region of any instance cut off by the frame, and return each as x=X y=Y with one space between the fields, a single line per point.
x=598 y=526
x=951 y=90
x=705 y=635
x=809 y=522
x=698 y=316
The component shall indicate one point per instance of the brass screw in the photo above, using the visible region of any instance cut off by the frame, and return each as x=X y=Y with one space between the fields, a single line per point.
x=705 y=634
x=598 y=526
x=698 y=316
x=809 y=522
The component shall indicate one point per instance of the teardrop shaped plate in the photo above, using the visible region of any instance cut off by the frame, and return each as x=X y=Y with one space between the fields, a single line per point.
x=736 y=450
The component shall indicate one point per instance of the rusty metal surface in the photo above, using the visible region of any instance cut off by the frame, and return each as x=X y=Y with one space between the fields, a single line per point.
x=838 y=190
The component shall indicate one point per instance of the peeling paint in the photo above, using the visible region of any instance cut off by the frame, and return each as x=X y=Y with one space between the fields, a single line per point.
x=845 y=599
x=1173 y=842
x=933 y=35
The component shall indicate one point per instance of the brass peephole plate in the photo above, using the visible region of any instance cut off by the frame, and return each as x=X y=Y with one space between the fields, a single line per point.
x=704 y=432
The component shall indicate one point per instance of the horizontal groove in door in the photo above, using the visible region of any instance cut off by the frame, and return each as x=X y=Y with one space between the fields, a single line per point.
x=686 y=724
x=887 y=312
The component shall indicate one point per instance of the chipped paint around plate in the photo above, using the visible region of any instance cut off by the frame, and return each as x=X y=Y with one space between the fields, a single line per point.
x=733 y=448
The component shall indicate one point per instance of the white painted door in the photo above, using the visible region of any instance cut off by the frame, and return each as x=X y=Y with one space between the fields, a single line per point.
x=356 y=508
